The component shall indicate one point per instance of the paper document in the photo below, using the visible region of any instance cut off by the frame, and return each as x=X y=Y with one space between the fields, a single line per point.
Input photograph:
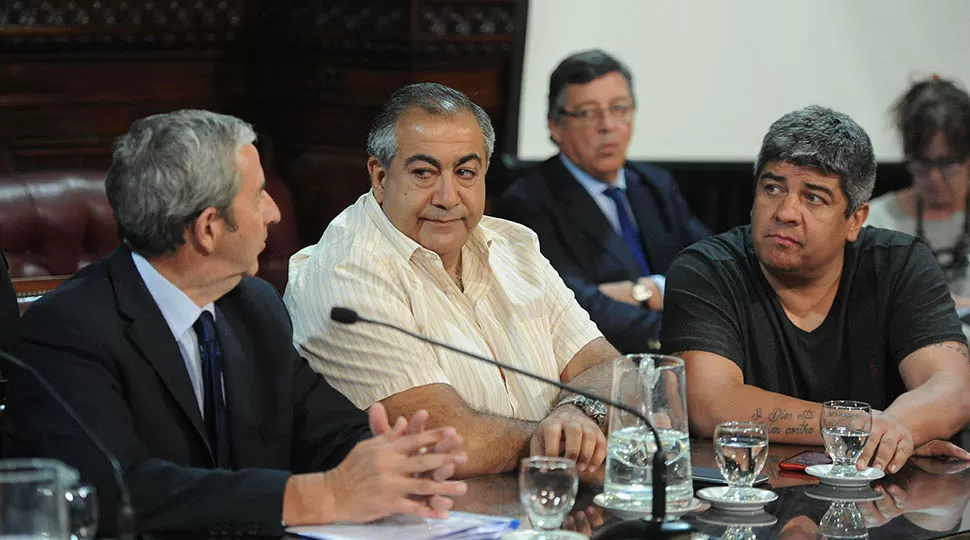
x=458 y=526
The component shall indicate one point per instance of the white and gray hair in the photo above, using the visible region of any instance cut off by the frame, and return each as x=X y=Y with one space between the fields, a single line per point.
x=434 y=99
x=167 y=169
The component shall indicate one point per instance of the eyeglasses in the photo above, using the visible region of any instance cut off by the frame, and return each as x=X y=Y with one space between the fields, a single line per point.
x=621 y=112
x=947 y=166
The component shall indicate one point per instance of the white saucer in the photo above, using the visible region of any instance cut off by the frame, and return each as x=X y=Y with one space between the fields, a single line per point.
x=860 y=480
x=832 y=493
x=756 y=499
x=758 y=518
x=633 y=513
x=528 y=534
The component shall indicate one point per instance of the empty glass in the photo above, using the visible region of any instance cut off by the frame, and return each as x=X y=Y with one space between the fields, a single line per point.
x=845 y=430
x=547 y=489
x=741 y=449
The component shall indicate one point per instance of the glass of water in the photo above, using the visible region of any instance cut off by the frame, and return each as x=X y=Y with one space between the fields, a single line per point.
x=547 y=489
x=845 y=430
x=741 y=449
x=842 y=520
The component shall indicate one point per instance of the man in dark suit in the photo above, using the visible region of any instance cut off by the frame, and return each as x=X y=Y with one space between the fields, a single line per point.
x=9 y=312
x=9 y=317
x=609 y=226
x=183 y=364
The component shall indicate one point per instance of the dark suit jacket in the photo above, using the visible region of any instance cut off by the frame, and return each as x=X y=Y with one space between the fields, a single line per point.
x=102 y=342
x=9 y=312
x=582 y=245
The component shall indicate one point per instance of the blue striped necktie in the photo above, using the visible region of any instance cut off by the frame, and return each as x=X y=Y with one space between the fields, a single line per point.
x=214 y=408
x=628 y=230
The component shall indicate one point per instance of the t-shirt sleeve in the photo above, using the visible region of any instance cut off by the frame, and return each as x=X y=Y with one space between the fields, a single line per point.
x=700 y=310
x=920 y=308
x=365 y=362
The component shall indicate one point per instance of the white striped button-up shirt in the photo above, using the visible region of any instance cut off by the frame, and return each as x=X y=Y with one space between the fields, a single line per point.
x=515 y=308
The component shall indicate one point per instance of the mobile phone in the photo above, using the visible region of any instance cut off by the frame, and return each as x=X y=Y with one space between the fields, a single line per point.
x=713 y=476
x=799 y=462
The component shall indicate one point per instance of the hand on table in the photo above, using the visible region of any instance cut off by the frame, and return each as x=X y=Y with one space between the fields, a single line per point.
x=890 y=444
x=584 y=521
x=569 y=433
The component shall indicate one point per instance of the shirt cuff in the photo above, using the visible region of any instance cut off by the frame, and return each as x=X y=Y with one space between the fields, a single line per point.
x=661 y=282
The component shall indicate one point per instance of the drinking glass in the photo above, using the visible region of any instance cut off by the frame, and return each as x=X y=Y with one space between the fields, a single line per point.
x=41 y=498
x=741 y=449
x=845 y=430
x=547 y=489
x=739 y=532
x=842 y=520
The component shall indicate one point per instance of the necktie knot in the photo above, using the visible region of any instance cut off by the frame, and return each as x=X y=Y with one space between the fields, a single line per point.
x=615 y=193
x=205 y=328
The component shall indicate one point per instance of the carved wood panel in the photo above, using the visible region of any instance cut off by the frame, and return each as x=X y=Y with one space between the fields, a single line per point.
x=311 y=74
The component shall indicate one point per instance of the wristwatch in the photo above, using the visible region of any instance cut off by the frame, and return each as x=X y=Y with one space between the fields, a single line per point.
x=641 y=293
x=592 y=408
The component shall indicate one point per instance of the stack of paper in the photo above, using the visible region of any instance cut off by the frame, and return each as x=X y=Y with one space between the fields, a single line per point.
x=458 y=526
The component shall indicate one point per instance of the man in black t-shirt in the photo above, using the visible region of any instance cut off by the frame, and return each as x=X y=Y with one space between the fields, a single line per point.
x=805 y=305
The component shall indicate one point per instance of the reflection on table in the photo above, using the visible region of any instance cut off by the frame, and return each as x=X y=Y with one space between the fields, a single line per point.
x=927 y=499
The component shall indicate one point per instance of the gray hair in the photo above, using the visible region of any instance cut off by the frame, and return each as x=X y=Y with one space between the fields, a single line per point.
x=434 y=99
x=581 y=68
x=169 y=168
x=827 y=141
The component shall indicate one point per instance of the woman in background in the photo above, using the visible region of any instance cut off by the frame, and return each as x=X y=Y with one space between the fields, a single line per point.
x=933 y=118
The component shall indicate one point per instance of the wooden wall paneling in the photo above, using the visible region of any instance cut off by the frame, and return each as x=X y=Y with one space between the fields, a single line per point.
x=324 y=70
x=75 y=74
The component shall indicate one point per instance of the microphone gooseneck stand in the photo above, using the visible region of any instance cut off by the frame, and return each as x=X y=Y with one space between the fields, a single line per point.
x=657 y=526
x=126 y=513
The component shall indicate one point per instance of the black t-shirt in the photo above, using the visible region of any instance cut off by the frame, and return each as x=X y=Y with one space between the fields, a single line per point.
x=892 y=300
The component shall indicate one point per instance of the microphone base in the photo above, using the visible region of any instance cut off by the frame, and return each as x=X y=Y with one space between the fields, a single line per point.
x=638 y=528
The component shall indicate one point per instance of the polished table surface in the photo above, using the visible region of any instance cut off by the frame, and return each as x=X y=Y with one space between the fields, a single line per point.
x=927 y=499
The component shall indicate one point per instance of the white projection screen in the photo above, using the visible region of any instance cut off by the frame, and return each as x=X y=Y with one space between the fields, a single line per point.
x=711 y=75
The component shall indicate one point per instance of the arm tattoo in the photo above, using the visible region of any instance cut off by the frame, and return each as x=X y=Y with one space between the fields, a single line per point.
x=805 y=421
x=960 y=348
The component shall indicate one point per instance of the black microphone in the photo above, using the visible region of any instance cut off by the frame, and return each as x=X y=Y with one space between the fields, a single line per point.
x=657 y=527
x=126 y=514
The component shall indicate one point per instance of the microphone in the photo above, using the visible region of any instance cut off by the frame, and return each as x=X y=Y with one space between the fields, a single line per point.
x=126 y=514
x=657 y=527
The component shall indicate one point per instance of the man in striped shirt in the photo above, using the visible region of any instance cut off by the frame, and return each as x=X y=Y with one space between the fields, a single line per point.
x=416 y=251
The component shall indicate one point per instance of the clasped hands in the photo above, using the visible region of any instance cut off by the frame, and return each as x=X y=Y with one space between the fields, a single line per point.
x=403 y=469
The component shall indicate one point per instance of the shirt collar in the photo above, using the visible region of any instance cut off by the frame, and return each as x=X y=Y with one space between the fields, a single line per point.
x=592 y=185
x=480 y=240
x=179 y=311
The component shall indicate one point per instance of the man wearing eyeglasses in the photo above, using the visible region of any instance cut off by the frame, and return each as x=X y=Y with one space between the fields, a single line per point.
x=608 y=225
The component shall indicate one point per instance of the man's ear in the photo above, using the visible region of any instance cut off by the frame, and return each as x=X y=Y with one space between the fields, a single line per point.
x=205 y=231
x=378 y=175
x=856 y=221
x=555 y=131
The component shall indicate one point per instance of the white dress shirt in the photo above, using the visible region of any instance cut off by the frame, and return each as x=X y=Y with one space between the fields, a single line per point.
x=180 y=312
x=514 y=308
x=597 y=190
